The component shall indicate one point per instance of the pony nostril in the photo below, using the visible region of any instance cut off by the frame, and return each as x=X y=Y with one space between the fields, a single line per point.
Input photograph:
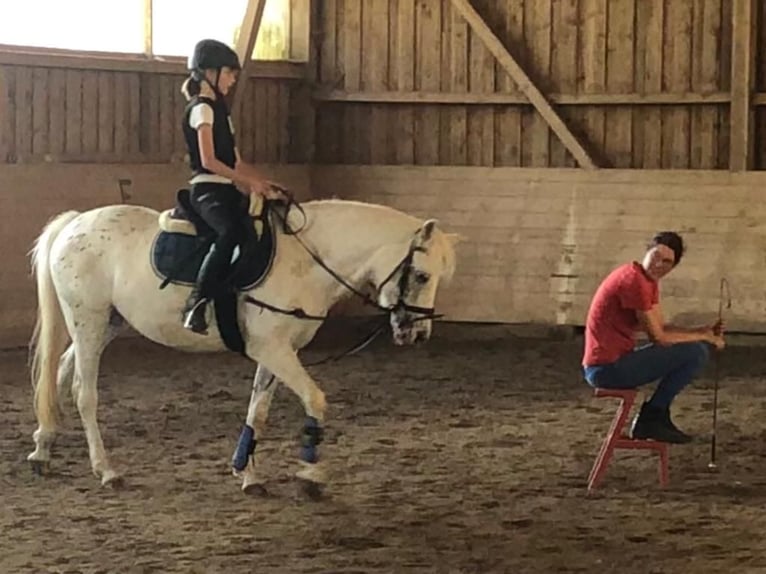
x=420 y=336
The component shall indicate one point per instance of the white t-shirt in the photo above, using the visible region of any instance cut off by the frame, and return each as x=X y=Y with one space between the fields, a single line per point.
x=202 y=114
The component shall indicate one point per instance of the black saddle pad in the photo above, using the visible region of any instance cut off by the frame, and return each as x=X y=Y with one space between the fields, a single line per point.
x=177 y=257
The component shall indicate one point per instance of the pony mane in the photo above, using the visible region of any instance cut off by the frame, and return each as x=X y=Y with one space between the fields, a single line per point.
x=443 y=242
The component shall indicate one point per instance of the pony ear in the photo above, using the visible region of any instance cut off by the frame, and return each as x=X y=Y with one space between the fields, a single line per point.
x=423 y=234
x=454 y=238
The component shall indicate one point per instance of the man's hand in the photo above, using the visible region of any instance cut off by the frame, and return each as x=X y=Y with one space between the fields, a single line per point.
x=717 y=341
x=718 y=327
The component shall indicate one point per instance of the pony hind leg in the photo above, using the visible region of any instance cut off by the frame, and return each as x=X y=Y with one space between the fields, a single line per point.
x=243 y=461
x=65 y=380
x=89 y=337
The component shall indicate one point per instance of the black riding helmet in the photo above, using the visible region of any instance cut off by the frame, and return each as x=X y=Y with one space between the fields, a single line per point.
x=213 y=55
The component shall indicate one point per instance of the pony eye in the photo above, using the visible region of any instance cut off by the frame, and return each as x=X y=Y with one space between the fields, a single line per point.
x=421 y=277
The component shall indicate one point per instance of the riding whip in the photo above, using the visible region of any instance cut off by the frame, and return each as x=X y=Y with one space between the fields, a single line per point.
x=723 y=286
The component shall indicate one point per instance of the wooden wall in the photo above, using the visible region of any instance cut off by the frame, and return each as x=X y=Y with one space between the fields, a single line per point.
x=538 y=241
x=641 y=83
x=78 y=109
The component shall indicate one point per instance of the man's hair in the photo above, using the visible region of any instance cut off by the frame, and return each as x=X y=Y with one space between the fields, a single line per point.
x=670 y=239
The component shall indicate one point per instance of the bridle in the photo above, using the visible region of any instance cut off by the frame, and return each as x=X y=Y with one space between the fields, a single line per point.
x=405 y=266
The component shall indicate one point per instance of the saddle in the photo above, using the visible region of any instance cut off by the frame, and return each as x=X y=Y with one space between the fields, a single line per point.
x=184 y=240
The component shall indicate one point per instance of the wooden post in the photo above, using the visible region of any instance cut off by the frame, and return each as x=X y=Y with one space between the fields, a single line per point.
x=528 y=88
x=248 y=33
x=148 y=27
x=742 y=83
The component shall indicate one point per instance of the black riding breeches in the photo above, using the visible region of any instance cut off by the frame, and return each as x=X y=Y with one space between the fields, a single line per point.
x=224 y=209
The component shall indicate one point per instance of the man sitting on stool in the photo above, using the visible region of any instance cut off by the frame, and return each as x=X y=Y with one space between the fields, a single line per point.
x=627 y=301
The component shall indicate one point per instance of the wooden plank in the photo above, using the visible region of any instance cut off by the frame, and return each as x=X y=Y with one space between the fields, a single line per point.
x=57 y=120
x=7 y=114
x=351 y=57
x=248 y=34
x=593 y=75
x=508 y=137
x=618 y=140
x=328 y=22
x=106 y=109
x=726 y=43
x=273 y=125
x=40 y=110
x=742 y=84
x=121 y=112
x=404 y=135
x=73 y=144
x=427 y=77
x=82 y=60
x=375 y=76
x=23 y=101
x=90 y=111
x=564 y=66
x=510 y=99
x=150 y=115
x=179 y=105
x=652 y=15
x=246 y=137
x=168 y=119
x=300 y=29
x=261 y=121
x=525 y=84
x=705 y=79
x=537 y=31
x=283 y=113
x=328 y=117
x=134 y=109
x=445 y=77
x=677 y=77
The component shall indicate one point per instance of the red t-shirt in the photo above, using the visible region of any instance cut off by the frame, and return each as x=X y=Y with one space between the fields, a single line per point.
x=612 y=321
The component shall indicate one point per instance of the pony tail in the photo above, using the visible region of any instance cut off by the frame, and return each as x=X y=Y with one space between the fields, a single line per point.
x=191 y=87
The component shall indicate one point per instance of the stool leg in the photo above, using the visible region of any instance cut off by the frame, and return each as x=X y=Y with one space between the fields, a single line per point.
x=664 y=474
x=607 y=447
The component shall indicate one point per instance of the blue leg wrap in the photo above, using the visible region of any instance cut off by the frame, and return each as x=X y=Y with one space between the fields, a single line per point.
x=245 y=447
x=311 y=438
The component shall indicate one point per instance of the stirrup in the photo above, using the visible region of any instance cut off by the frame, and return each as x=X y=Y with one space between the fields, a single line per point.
x=194 y=320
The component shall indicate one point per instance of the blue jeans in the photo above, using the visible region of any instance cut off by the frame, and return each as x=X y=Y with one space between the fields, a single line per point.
x=675 y=366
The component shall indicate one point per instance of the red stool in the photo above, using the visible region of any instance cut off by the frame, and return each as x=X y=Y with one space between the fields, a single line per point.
x=616 y=439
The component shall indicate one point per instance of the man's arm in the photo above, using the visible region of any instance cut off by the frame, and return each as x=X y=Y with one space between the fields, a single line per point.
x=653 y=323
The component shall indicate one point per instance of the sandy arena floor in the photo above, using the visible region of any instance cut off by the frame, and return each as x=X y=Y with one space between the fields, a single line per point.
x=468 y=454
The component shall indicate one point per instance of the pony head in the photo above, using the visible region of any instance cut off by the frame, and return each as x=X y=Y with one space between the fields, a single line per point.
x=409 y=291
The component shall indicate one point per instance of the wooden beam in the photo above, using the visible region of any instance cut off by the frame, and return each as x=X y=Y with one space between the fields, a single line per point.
x=759 y=99
x=148 y=27
x=525 y=84
x=248 y=34
x=741 y=129
x=465 y=98
x=116 y=62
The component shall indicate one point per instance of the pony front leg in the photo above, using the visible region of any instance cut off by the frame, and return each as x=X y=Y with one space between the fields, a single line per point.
x=243 y=461
x=283 y=363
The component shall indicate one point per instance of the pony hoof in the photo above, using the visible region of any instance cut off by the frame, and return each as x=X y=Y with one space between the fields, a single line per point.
x=310 y=489
x=39 y=467
x=112 y=479
x=255 y=489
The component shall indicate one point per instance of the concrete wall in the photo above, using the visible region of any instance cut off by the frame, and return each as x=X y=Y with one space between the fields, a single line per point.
x=538 y=241
x=32 y=194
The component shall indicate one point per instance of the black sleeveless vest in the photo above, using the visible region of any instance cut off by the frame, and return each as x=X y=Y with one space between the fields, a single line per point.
x=223 y=138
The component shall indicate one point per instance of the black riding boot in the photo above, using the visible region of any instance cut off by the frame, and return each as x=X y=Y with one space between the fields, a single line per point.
x=654 y=423
x=207 y=278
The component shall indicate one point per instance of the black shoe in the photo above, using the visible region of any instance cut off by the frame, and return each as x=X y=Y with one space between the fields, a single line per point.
x=194 y=318
x=653 y=423
x=669 y=422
